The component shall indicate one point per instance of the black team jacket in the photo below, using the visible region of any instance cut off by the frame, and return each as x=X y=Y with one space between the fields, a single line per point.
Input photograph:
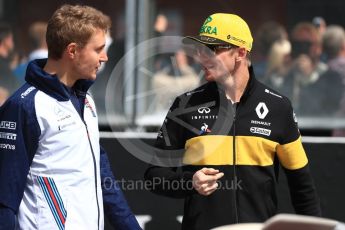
x=247 y=141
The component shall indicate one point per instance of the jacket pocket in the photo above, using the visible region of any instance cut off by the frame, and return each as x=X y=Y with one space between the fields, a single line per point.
x=52 y=211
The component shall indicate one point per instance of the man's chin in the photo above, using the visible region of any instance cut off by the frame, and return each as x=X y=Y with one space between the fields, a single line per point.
x=91 y=78
x=209 y=78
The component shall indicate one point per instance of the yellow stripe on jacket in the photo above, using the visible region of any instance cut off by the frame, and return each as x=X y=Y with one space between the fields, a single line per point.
x=217 y=150
x=292 y=155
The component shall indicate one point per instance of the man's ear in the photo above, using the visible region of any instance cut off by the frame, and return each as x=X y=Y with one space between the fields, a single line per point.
x=242 y=53
x=71 y=50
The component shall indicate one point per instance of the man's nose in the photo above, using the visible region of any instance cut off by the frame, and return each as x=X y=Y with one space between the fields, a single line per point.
x=104 y=57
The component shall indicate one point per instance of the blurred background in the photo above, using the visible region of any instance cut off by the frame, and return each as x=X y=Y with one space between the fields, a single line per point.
x=289 y=55
x=299 y=50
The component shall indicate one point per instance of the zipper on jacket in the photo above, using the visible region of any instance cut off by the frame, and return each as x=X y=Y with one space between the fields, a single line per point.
x=95 y=170
x=81 y=115
x=235 y=108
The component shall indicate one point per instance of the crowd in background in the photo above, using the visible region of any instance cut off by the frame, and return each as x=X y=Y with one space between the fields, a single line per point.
x=12 y=64
x=306 y=64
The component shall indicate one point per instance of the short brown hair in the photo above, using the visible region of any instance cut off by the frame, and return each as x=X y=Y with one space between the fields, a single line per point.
x=73 y=24
x=305 y=31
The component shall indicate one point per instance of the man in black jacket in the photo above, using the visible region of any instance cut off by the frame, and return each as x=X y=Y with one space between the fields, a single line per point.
x=220 y=144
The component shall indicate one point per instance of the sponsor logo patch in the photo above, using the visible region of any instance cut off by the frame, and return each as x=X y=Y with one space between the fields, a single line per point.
x=196 y=91
x=229 y=37
x=64 y=118
x=204 y=110
x=7 y=146
x=204 y=117
x=261 y=110
x=265 y=123
x=88 y=105
x=8 y=136
x=207 y=39
x=63 y=126
x=204 y=129
x=206 y=29
x=262 y=131
x=29 y=90
x=274 y=94
x=58 y=111
x=8 y=125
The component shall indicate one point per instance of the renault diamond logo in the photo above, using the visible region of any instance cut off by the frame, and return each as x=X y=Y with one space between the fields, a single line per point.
x=204 y=110
x=261 y=110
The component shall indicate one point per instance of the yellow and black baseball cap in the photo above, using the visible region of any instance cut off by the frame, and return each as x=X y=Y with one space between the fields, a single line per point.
x=220 y=29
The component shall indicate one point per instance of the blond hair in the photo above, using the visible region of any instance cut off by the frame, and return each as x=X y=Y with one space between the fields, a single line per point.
x=73 y=24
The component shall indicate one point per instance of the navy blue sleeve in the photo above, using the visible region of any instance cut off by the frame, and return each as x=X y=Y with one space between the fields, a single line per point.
x=7 y=218
x=115 y=204
x=19 y=132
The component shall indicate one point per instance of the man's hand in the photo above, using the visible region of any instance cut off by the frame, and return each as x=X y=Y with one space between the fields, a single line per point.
x=205 y=180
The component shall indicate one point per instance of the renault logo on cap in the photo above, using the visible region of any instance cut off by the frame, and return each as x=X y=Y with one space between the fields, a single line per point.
x=261 y=110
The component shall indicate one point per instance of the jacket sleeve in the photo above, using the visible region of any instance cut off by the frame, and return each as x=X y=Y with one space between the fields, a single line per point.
x=164 y=176
x=115 y=204
x=294 y=160
x=19 y=134
x=7 y=218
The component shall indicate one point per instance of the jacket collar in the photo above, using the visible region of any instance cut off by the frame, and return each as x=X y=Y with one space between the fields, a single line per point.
x=50 y=84
x=251 y=85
